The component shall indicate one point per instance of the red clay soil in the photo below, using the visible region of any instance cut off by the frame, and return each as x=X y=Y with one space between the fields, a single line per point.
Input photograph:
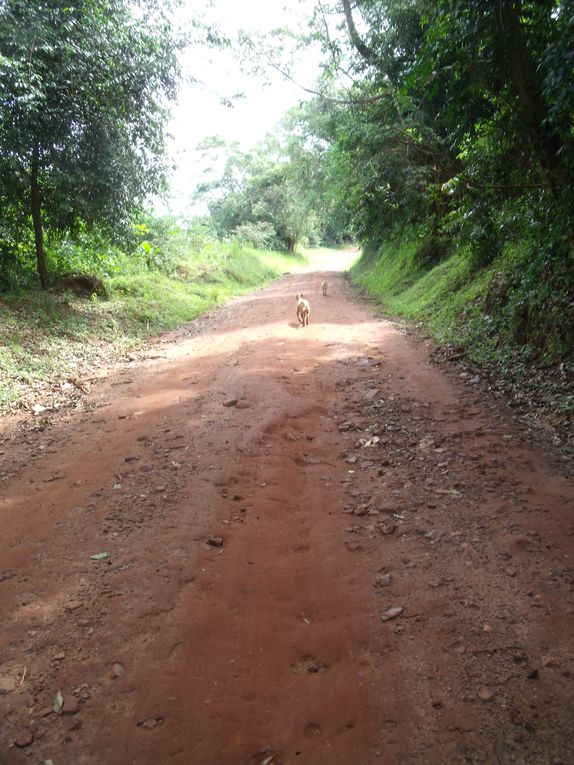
x=272 y=545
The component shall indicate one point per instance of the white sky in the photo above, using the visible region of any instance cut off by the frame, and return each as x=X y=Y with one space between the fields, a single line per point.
x=199 y=112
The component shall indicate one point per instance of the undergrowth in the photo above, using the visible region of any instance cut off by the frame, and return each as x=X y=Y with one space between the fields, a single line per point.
x=517 y=309
x=50 y=336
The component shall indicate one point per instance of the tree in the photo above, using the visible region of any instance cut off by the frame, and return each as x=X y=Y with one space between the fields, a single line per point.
x=84 y=88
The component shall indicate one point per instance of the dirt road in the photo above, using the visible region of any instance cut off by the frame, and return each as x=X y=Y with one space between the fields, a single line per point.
x=269 y=545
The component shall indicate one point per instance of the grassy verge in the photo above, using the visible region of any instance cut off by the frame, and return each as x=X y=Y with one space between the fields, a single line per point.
x=49 y=337
x=515 y=310
x=514 y=318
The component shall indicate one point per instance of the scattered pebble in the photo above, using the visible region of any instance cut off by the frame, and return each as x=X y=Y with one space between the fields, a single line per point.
x=391 y=613
x=215 y=541
x=486 y=694
x=150 y=723
x=70 y=706
x=24 y=738
x=550 y=661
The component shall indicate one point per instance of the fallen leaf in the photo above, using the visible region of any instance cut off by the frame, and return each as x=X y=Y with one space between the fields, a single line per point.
x=58 y=702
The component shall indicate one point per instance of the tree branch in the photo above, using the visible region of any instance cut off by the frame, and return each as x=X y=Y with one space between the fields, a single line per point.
x=367 y=53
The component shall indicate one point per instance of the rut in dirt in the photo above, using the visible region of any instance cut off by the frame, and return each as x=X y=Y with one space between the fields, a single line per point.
x=276 y=544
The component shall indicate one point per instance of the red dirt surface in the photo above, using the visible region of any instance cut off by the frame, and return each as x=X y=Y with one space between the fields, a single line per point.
x=261 y=497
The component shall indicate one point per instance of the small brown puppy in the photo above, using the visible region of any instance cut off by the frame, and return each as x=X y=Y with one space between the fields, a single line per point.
x=324 y=288
x=303 y=310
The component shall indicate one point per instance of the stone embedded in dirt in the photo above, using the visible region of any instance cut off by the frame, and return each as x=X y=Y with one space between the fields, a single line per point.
x=474 y=380
x=71 y=705
x=351 y=459
x=24 y=738
x=435 y=582
x=550 y=661
x=117 y=669
x=230 y=402
x=391 y=613
x=361 y=510
x=242 y=405
x=354 y=546
x=532 y=674
x=7 y=684
x=387 y=506
x=486 y=694
x=150 y=723
x=215 y=541
x=510 y=571
x=387 y=528
x=73 y=605
x=383 y=580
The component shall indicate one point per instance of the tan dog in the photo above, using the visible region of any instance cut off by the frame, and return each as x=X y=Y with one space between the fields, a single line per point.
x=303 y=310
x=324 y=288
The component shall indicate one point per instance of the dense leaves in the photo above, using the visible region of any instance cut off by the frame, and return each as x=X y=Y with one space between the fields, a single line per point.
x=457 y=125
x=83 y=94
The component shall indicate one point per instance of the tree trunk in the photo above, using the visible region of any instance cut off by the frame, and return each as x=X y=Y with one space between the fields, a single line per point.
x=36 y=204
x=533 y=110
x=290 y=244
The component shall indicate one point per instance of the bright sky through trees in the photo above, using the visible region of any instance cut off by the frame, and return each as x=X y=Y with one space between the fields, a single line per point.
x=200 y=113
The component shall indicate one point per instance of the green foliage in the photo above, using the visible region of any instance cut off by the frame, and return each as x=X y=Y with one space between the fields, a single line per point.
x=47 y=336
x=83 y=94
x=519 y=307
x=279 y=194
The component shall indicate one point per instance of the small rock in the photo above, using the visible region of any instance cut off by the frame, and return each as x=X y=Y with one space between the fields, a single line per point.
x=550 y=661
x=387 y=506
x=361 y=510
x=230 y=402
x=150 y=723
x=71 y=705
x=242 y=405
x=73 y=605
x=215 y=541
x=391 y=613
x=532 y=674
x=117 y=669
x=487 y=628
x=387 y=528
x=351 y=459
x=474 y=380
x=24 y=738
x=354 y=546
x=486 y=694
x=383 y=580
x=7 y=684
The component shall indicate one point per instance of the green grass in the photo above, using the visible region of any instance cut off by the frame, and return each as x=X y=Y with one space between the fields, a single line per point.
x=513 y=310
x=46 y=337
